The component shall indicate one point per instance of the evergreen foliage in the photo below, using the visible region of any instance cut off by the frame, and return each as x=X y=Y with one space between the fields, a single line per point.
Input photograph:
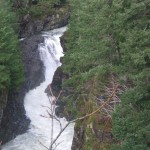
x=11 y=71
x=113 y=37
x=37 y=8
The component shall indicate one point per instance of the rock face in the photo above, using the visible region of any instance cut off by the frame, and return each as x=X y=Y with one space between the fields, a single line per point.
x=14 y=121
x=31 y=26
x=56 y=87
x=93 y=134
x=33 y=65
x=78 y=139
x=3 y=101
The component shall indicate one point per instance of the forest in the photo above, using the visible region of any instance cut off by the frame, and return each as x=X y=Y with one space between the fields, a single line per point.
x=107 y=50
x=11 y=69
x=105 y=39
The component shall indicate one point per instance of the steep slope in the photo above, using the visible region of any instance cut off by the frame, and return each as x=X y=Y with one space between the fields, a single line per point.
x=108 y=45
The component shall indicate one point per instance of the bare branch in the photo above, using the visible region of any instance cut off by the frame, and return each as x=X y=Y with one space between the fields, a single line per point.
x=44 y=116
x=59 y=134
x=98 y=108
x=43 y=145
x=58 y=122
x=58 y=95
x=50 y=89
x=104 y=104
x=46 y=107
x=114 y=92
x=57 y=145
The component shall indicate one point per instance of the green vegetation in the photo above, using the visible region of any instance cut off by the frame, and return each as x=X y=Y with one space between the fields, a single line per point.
x=11 y=71
x=112 y=37
x=104 y=38
x=37 y=8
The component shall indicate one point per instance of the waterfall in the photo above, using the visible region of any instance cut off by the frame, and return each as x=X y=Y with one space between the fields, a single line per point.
x=39 y=132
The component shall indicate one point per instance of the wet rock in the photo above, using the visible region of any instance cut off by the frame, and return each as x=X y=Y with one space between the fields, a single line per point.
x=59 y=110
x=3 y=101
x=14 y=121
x=1 y=113
x=57 y=81
x=56 y=22
x=31 y=26
x=33 y=65
x=56 y=88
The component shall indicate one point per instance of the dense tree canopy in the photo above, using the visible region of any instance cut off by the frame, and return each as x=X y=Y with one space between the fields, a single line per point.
x=108 y=37
x=104 y=37
x=11 y=73
x=36 y=8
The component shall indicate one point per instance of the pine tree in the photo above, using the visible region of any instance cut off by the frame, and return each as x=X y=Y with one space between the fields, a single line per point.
x=107 y=37
x=10 y=61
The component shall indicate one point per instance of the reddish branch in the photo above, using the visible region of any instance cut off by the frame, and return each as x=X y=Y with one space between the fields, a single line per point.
x=52 y=109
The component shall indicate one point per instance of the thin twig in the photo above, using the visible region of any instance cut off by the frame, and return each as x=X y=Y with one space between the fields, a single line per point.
x=58 y=95
x=50 y=90
x=85 y=115
x=43 y=145
x=46 y=107
x=98 y=108
x=57 y=145
x=59 y=134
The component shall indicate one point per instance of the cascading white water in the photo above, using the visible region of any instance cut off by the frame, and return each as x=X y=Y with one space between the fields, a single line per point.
x=40 y=127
